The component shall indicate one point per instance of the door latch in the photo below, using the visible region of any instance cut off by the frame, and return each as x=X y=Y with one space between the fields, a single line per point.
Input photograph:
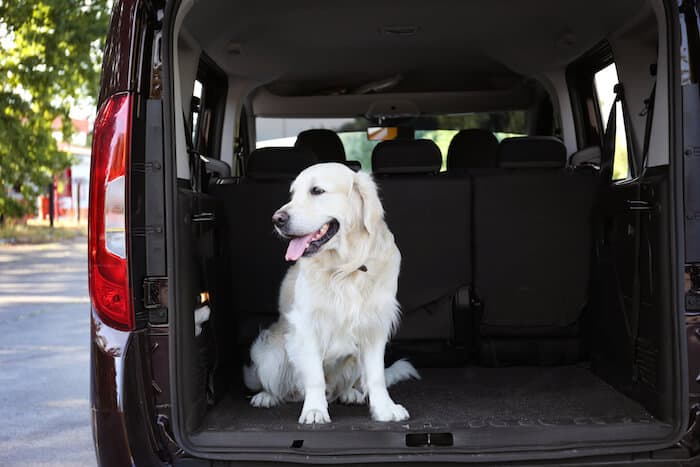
x=639 y=205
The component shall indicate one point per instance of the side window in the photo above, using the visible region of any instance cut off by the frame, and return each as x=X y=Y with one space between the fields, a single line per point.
x=207 y=109
x=604 y=81
x=195 y=110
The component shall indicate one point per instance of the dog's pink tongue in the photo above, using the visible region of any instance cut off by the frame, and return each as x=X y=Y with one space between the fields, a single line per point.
x=297 y=246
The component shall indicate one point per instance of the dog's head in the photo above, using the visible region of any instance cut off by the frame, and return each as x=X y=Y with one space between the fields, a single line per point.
x=329 y=202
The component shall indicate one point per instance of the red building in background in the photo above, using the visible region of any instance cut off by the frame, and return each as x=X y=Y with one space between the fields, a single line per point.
x=70 y=186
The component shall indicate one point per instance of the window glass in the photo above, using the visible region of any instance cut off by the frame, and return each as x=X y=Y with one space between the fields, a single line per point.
x=443 y=137
x=605 y=81
x=194 y=118
x=353 y=131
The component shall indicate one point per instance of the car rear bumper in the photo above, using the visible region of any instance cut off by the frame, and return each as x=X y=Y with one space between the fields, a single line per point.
x=123 y=414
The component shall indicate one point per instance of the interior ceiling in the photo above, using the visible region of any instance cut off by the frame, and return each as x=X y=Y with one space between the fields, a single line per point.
x=307 y=47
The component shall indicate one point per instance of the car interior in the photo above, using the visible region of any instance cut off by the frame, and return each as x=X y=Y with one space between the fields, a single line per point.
x=525 y=173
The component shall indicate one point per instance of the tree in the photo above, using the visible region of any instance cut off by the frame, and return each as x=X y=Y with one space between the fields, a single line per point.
x=50 y=60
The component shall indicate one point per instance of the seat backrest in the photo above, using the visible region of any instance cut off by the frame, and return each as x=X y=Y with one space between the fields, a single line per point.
x=255 y=252
x=533 y=240
x=473 y=148
x=430 y=219
x=402 y=157
x=325 y=144
x=532 y=152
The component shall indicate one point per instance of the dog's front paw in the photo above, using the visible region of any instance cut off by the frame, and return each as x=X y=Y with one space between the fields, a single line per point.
x=389 y=413
x=309 y=416
x=351 y=396
x=264 y=399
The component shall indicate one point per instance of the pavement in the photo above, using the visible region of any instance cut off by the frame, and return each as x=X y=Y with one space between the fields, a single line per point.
x=44 y=355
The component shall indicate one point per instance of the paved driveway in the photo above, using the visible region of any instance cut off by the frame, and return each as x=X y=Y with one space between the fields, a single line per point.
x=44 y=356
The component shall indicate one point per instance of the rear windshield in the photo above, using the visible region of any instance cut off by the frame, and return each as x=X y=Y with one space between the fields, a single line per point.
x=353 y=131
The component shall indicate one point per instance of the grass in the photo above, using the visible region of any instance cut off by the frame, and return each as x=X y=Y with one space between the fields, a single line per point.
x=39 y=233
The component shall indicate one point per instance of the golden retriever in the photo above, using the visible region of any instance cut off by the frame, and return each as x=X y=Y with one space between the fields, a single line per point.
x=337 y=303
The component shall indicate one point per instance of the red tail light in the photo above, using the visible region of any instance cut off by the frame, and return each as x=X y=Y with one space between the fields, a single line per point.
x=107 y=223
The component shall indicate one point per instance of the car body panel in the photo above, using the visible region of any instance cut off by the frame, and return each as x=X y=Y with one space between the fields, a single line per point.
x=130 y=371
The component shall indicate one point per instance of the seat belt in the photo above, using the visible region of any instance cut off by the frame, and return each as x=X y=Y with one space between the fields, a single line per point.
x=607 y=158
x=238 y=157
x=641 y=206
x=203 y=223
x=607 y=163
x=648 y=111
x=240 y=147
x=197 y=167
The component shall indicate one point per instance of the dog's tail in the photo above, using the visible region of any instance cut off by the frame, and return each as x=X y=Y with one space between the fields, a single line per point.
x=400 y=370
x=250 y=378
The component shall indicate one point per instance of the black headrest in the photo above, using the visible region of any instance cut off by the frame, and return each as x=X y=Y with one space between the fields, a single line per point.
x=278 y=163
x=532 y=152
x=324 y=143
x=418 y=156
x=473 y=149
x=355 y=166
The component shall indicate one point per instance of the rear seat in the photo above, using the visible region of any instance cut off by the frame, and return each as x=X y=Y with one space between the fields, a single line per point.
x=255 y=253
x=532 y=234
x=430 y=219
x=518 y=236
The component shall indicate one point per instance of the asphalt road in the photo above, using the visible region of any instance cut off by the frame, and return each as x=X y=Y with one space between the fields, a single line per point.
x=44 y=356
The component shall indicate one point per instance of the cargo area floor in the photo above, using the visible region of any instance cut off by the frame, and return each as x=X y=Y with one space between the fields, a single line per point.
x=530 y=401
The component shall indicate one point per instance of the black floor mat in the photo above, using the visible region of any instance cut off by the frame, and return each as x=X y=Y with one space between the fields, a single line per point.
x=457 y=398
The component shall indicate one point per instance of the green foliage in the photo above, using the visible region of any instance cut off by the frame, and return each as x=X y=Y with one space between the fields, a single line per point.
x=50 y=60
x=358 y=148
x=441 y=138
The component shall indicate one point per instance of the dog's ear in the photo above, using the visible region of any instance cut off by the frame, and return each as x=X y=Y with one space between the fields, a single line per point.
x=372 y=211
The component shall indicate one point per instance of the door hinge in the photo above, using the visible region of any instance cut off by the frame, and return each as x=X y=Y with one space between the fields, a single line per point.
x=155 y=299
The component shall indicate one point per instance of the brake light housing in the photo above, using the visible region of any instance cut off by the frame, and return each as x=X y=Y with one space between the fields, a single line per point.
x=108 y=269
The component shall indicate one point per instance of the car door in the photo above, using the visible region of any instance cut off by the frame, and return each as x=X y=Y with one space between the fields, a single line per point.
x=690 y=90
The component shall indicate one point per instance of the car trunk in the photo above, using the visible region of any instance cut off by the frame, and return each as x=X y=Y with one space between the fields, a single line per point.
x=591 y=391
x=588 y=361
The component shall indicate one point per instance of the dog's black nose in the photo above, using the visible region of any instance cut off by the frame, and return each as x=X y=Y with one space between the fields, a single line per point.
x=280 y=218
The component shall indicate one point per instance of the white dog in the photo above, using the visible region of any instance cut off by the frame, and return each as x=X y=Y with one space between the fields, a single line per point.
x=337 y=304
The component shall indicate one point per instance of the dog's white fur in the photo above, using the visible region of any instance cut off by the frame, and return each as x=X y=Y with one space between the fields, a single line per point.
x=335 y=319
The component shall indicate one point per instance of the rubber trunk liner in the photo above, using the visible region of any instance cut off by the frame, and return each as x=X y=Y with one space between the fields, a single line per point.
x=458 y=398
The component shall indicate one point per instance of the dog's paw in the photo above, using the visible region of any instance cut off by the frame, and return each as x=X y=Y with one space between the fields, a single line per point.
x=389 y=413
x=351 y=396
x=264 y=399
x=309 y=416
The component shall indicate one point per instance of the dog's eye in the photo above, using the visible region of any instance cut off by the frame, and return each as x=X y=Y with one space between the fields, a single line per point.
x=317 y=191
